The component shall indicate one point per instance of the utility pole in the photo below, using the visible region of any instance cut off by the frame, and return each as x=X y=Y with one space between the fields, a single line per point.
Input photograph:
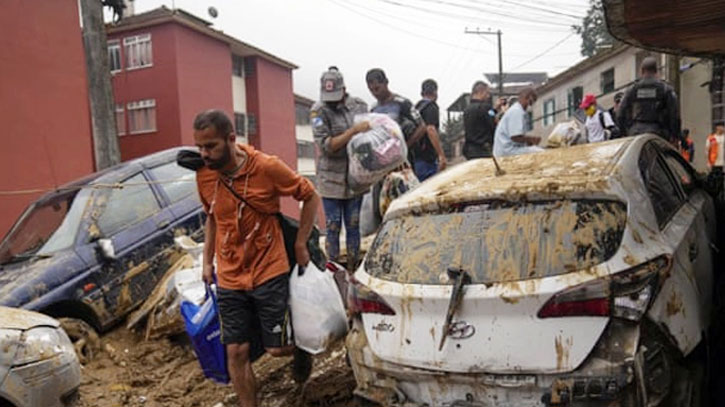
x=500 y=55
x=100 y=93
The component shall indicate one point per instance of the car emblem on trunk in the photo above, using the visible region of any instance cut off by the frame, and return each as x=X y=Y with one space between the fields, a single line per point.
x=461 y=330
x=382 y=326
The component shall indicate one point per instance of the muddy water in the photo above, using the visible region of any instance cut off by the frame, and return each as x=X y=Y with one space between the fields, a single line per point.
x=132 y=372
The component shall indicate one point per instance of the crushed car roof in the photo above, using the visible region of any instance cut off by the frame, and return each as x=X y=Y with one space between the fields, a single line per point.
x=549 y=173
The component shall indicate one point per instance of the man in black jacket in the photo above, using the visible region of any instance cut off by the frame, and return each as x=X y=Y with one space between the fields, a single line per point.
x=479 y=123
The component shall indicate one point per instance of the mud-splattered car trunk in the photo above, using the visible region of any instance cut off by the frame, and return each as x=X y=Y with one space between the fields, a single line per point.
x=565 y=280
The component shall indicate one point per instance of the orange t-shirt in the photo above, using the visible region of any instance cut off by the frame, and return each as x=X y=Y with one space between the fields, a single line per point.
x=249 y=244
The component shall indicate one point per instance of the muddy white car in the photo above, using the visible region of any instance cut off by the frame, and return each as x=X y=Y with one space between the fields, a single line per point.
x=38 y=363
x=580 y=276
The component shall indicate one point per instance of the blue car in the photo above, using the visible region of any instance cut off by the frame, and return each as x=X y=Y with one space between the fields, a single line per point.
x=93 y=250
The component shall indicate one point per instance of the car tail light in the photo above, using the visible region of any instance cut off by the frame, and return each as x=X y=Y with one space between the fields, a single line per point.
x=362 y=300
x=626 y=295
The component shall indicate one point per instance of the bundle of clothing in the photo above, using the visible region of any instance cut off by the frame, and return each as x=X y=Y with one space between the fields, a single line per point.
x=376 y=152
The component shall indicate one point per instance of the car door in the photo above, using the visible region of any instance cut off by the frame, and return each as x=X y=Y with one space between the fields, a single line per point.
x=677 y=305
x=178 y=186
x=133 y=220
x=703 y=233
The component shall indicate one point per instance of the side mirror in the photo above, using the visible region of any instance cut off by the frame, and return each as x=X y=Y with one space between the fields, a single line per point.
x=105 y=247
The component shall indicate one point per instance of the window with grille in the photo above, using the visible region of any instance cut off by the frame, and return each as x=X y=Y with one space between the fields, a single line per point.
x=302 y=115
x=251 y=124
x=141 y=116
x=240 y=124
x=248 y=67
x=573 y=100
x=114 y=55
x=607 y=81
x=120 y=120
x=138 y=51
x=305 y=149
x=549 y=111
x=237 y=66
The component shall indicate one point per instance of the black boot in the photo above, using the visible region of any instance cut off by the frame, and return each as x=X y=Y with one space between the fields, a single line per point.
x=301 y=366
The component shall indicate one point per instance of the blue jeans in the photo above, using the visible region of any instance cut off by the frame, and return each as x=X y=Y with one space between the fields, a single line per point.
x=337 y=210
x=423 y=169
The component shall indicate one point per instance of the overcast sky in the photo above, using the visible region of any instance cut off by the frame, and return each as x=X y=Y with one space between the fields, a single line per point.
x=410 y=39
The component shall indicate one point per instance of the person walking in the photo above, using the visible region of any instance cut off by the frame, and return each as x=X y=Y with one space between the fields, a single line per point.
x=510 y=137
x=479 y=123
x=332 y=127
x=240 y=190
x=428 y=153
x=599 y=124
x=396 y=107
x=715 y=147
x=650 y=106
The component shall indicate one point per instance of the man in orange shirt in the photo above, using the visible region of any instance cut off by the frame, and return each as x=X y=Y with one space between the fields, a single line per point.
x=246 y=237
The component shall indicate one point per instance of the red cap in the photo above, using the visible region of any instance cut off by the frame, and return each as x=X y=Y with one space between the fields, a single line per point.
x=589 y=100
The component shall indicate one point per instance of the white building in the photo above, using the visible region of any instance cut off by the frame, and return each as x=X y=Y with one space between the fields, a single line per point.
x=305 y=139
x=614 y=70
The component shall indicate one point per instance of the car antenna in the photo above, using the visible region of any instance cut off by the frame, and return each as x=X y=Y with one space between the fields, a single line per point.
x=499 y=171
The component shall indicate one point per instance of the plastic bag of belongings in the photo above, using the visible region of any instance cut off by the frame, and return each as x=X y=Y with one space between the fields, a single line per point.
x=566 y=134
x=318 y=313
x=376 y=152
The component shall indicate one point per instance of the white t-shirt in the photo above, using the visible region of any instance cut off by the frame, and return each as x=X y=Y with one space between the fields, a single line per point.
x=512 y=124
x=595 y=131
x=720 y=160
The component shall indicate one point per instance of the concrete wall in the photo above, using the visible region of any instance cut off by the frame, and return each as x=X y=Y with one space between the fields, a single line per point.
x=203 y=66
x=695 y=107
x=158 y=82
x=43 y=101
x=271 y=101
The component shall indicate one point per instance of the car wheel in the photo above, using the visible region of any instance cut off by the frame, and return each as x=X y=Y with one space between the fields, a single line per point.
x=85 y=339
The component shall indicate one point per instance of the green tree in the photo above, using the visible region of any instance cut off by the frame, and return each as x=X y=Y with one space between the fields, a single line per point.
x=593 y=30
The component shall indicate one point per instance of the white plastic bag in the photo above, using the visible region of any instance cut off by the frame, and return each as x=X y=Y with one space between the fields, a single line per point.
x=374 y=153
x=318 y=314
x=565 y=134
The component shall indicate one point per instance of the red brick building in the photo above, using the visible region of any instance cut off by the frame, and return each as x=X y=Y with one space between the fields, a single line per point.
x=44 y=108
x=168 y=65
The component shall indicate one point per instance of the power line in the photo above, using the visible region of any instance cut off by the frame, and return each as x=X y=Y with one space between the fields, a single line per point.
x=541 y=10
x=393 y=27
x=544 y=52
x=495 y=12
x=517 y=20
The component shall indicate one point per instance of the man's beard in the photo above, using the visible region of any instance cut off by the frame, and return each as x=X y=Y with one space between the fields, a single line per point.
x=222 y=161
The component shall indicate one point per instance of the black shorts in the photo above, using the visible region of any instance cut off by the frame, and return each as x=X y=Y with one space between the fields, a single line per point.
x=262 y=313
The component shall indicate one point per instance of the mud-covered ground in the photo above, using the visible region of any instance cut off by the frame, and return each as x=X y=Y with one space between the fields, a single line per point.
x=131 y=372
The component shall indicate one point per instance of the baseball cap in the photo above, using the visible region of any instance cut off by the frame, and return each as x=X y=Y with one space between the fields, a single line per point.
x=332 y=87
x=589 y=100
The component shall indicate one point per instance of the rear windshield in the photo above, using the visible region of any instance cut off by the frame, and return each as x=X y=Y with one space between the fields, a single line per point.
x=498 y=241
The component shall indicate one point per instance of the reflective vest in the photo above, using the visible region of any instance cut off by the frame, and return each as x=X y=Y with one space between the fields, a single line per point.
x=713 y=150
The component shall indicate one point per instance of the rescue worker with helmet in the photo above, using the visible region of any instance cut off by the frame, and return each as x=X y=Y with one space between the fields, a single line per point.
x=650 y=106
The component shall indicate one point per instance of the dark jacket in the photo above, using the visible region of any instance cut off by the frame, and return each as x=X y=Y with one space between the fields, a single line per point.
x=650 y=106
x=479 y=126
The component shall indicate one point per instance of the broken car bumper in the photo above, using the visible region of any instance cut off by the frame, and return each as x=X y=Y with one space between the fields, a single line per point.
x=606 y=376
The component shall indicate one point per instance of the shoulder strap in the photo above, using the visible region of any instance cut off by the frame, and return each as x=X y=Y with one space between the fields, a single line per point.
x=422 y=104
x=236 y=195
